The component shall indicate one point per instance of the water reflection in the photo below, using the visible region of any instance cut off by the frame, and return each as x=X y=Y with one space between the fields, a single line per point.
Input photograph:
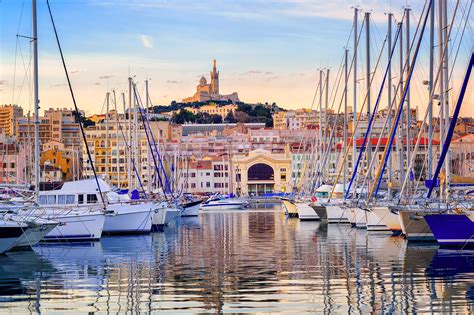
x=243 y=261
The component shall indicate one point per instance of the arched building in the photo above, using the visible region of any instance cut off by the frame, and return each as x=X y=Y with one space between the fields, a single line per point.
x=261 y=171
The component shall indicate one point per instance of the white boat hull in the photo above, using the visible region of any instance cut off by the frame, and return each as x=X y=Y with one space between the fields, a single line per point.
x=34 y=234
x=306 y=212
x=77 y=227
x=336 y=214
x=129 y=218
x=190 y=211
x=385 y=217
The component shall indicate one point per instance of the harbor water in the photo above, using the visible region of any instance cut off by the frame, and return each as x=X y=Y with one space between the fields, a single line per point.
x=247 y=261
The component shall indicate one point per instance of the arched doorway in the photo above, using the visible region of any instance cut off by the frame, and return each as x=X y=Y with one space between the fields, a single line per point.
x=261 y=179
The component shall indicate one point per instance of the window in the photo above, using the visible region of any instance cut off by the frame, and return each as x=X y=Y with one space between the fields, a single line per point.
x=47 y=199
x=66 y=199
x=208 y=185
x=92 y=198
x=193 y=185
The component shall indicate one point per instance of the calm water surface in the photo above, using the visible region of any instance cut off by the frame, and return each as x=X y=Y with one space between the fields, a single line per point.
x=253 y=261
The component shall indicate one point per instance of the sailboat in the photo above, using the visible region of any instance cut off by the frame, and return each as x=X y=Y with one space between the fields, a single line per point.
x=457 y=228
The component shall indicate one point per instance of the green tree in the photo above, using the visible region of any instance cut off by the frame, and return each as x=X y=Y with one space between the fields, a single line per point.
x=229 y=118
x=183 y=116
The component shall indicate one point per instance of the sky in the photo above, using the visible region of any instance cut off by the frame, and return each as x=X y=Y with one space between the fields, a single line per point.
x=266 y=50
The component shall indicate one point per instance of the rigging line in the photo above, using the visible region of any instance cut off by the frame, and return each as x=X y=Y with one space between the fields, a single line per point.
x=430 y=103
x=16 y=51
x=168 y=186
x=144 y=120
x=411 y=66
x=89 y=156
x=371 y=119
x=460 y=40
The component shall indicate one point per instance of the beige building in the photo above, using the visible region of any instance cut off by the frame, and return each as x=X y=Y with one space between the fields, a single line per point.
x=210 y=91
x=261 y=171
x=56 y=124
x=8 y=116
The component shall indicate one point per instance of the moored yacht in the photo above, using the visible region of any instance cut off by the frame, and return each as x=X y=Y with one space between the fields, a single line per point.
x=76 y=207
x=10 y=233
x=217 y=202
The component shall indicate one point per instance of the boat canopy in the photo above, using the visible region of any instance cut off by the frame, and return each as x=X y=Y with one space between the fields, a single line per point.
x=83 y=186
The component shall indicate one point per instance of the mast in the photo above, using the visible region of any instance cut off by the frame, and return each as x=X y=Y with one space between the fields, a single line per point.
x=148 y=151
x=354 y=109
x=346 y=52
x=327 y=145
x=408 y=124
x=367 y=43
x=320 y=121
x=430 y=86
x=441 y=82
x=129 y=164
x=117 y=148
x=136 y=144
x=36 y=99
x=389 y=94
x=446 y=94
x=107 y=136
x=401 y=165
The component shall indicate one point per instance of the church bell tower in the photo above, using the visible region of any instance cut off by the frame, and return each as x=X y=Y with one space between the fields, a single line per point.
x=214 y=79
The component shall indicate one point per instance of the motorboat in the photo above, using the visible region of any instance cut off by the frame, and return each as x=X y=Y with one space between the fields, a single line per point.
x=289 y=207
x=218 y=202
x=76 y=207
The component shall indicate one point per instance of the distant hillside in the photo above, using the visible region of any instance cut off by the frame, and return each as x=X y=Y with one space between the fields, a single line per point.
x=244 y=113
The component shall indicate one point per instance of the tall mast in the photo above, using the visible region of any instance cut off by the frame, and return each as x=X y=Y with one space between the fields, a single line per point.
x=320 y=122
x=136 y=144
x=430 y=106
x=389 y=95
x=367 y=43
x=346 y=52
x=36 y=100
x=441 y=80
x=326 y=138
x=408 y=125
x=401 y=165
x=148 y=149
x=107 y=136
x=354 y=109
x=118 y=146
x=446 y=94
x=128 y=152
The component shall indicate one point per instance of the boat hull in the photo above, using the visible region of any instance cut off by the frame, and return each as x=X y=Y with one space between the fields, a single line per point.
x=387 y=218
x=306 y=212
x=320 y=211
x=336 y=214
x=129 y=219
x=191 y=209
x=34 y=234
x=452 y=230
x=414 y=226
x=9 y=235
x=290 y=209
x=77 y=227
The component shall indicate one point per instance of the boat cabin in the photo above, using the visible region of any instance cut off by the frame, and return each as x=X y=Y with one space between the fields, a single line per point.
x=79 y=192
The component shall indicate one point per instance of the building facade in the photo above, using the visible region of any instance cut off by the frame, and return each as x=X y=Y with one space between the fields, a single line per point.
x=8 y=116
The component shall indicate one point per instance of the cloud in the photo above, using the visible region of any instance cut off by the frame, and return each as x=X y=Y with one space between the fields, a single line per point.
x=147 y=41
x=173 y=81
x=97 y=83
x=103 y=77
x=3 y=82
x=58 y=85
x=256 y=72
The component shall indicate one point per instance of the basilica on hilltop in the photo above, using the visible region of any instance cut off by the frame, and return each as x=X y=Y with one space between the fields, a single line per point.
x=210 y=91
